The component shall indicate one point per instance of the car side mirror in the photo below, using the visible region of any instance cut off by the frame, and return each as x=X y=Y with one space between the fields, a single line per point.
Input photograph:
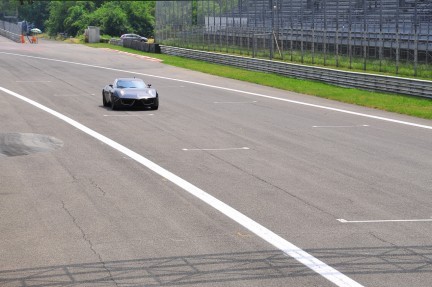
x=149 y=85
x=110 y=86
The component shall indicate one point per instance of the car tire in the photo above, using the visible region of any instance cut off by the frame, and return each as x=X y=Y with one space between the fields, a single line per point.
x=104 y=101
x=156 y=103
x=113 y=105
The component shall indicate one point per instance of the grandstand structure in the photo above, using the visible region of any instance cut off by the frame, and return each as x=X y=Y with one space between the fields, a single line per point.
x=397 y=31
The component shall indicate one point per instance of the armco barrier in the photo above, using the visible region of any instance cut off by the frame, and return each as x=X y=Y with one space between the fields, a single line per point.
x=141 y=46
x=387 y=84
x=117 y=42
x=10 y=35
x=10 y=30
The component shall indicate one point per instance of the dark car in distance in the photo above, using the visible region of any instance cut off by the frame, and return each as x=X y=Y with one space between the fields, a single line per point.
x=130 y=92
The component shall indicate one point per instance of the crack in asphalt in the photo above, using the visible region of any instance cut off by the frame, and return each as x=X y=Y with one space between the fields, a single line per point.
x=304 y=201
x=97 y=187
x=60 y=79
x=77 y=180
x=408 y=249
x=86 y=239
x=307 y=203
x=382 y=240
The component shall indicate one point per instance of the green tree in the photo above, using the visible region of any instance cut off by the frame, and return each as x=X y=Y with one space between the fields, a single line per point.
x=57 y=12
x=76 y=20
x=111 y=19
x=35 y=13
x=140 y=16
x=8 y=8
x=71 y=17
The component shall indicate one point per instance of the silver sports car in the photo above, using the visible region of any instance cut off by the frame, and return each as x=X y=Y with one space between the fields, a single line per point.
x=129 y=92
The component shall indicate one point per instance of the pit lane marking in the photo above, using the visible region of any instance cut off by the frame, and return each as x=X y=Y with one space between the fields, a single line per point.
x=215 y=149
x=385 y=220
x=355 y=126
x=267 y=235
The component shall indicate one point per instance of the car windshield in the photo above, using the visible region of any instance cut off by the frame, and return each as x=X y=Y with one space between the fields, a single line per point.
x=133 y=84
x=130 y=36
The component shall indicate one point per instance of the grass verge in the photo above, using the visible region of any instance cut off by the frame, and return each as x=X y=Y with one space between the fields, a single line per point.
x=412 y=106
x=371 y=66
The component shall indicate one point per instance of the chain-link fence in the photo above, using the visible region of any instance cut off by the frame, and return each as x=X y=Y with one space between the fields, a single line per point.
x=391 y=36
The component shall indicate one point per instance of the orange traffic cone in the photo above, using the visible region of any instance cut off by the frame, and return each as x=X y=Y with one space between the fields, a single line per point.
x=22 y=39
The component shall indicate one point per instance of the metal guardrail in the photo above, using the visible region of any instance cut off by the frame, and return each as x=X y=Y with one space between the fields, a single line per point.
x=379 y=83
x=137 y=45
x=116 y=42
x=10 y=30
x=10 y=35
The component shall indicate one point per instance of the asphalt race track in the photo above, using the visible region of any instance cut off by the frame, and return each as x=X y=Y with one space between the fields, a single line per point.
x=227 y=184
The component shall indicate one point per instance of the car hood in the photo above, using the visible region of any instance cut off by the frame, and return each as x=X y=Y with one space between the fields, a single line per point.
x=136 y=93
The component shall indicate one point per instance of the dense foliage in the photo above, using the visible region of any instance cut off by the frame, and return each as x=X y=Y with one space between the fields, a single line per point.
x=73 y=17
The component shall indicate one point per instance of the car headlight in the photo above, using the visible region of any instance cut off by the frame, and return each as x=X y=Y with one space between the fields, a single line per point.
x=122 y=92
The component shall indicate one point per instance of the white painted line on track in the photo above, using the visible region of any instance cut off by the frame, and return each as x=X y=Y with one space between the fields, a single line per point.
x=215 y=149
x=358 y=126
x=272 y=238
x=383 y=221
x=233 y=90
x=121 y=116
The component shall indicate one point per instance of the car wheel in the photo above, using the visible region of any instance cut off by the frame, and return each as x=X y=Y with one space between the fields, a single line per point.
x=156 y=103
x=113 y=105
x=104 y=101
